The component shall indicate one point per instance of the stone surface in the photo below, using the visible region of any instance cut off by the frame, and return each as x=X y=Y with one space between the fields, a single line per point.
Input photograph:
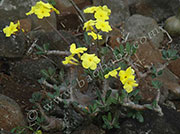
x=15 y=10
x=13 y=46
x=30 y=69
x=157 y=9
x=148 y=54
x=68 y=22
x=10 y=113
x=65 y=6
x=47 y=23
x=141 y=28
x=91 y=129
x=25 y=24
x=55 y=42
x=174 y=67
x=170 y=83
x=119 y=10
x=153 y=124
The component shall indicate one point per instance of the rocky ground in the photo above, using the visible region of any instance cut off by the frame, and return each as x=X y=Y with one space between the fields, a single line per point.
x=20 y=67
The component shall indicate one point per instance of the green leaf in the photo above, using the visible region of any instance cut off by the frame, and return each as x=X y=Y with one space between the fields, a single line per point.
x=121 y=49
x=116 y=125
x=94 y=107
x=108 y=93
x=99 y=94
x=46 y=46
x=128 y=48
x=139 y=117
x=13 y=130
x=40 y=53
x=134 y=49
x=50 y=95
x=154 y=70
x=41 y=80
x=164 y=54
x=87 y=38
x=105 y=120
x=154 y=104
x=123 y=95
x=45 y=73
x=123 y=65
x=109 y=117
x=157 y=84
x=130 y=114
x=104 y=50
x=149 y=107
x=36 y=96
x=160 y=72
x=172 y=54
x=116 y=51
x=51 y=71
x=134 y=93
x=39 y=48
x=113 y=100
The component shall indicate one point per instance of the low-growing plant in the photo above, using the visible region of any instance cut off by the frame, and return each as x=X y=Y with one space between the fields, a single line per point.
x=109 y=104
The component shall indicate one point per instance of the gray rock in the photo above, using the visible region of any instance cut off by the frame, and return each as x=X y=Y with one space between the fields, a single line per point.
x=141 y=28
x=91 y=129
x=31 y=69
x=157 y=9
x=171 y=83
x=119 y=10
x=15 y=9
x=13 y=46
x=10 y=113
x=153 y=124
x=12 y=10
x=55 y=42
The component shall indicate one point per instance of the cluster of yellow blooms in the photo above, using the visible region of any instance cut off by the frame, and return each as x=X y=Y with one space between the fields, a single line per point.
x=41 y=9
x=88 y=60
x=101 y=14
x=11 y=29
x=126 y=77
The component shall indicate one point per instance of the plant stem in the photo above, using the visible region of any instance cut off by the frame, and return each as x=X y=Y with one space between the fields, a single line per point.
x=83 y=19
x=57 y=32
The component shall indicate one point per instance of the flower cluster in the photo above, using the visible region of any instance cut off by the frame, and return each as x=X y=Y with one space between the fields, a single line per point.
x=11 y=29
x=88 y=60
x=42 y=10
x=126 y=77
x=101 y=14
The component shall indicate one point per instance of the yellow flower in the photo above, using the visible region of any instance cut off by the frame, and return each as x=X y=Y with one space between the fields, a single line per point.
x=112 y=73
x=18 y=24
x=95 y=36
x=106 y=9
x=42 y=12
x=94 y=9
x=70 y=60
x=124 y=75
x=90 y=9
x=38 y=132
x=11 y=29
x=75 y=50
x=129 y=84
x=42 y=9
x=101 y=15
x=90 y=61
x=103 y=26
x=89 y=25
